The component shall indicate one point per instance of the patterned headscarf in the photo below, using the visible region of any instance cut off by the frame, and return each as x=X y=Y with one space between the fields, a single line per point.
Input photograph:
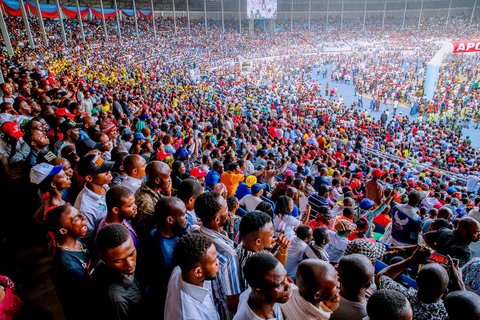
x=471 y=275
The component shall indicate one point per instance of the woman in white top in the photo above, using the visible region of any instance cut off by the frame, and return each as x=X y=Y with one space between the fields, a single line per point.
x=283 y=220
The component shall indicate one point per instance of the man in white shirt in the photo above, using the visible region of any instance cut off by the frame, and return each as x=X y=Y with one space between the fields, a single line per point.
x=134 y=166
x=317 y=294
x=91 y=200
x=473 y=182
x=251 y=201
x=189 y=289
x=299 y=250
x=269 y=287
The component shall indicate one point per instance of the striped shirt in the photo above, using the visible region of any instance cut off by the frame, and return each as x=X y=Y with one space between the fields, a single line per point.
x=315 y=202
x=243 y=255
x=228 y=281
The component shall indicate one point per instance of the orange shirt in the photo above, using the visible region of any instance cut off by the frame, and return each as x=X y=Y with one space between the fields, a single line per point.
x=231 y=181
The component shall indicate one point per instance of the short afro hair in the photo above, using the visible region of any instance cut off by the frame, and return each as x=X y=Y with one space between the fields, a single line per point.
x=303 y=232
x=256 y=267
x=191 y=250
x=112 y=236
x=189 y=188
x=164 y=209
x=319 y=235
x=252 y=222
x=54 y=217
x=207 y=206
x=266 y=207
x=462 y=305
x=387 y=304
x=116 y=195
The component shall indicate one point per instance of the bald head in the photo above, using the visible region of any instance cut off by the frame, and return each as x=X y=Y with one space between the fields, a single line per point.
x=134 y=166
x=355 y=272
x=463 y=305
x=317 y=281
x=432 y=283
x=158 y=175
x=469 y=229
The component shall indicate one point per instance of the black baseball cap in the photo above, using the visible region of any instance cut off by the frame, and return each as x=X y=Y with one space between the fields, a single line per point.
x=93 y=164
x=69 y=124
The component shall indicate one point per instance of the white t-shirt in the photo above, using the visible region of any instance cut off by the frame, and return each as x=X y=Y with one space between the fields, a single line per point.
x=286 y=223
x=472 y=183
x=245 y=313
x=336 y=247
x=250 y=202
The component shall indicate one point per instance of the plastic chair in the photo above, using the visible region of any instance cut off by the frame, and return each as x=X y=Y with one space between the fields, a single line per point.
x=241 y=212
x=269 y=201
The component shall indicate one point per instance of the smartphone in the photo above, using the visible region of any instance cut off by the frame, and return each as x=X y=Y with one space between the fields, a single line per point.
x=439 y=258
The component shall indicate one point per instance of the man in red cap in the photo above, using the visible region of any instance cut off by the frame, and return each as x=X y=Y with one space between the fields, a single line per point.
x=374 y=190
x=13 y=150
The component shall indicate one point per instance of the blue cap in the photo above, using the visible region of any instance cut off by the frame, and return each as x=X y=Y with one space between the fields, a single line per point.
x=256 y=187
x=139 y=135
x=366 y=204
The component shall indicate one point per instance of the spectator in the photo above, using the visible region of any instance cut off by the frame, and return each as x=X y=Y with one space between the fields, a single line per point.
x=213 y=176
x=321 y=238
x=256 y=235
x=432 y=283
x=374 y=190
x=356 y=275
x=188 y=191
x=157 y=185
x=406 y=223
x=338 y=240
x=115 y=288
x=455 y=242
x=299 y=250
x=71 y=261
x=190 y=293
x=389 y=304
x=212 y=210
x=232 y=178
x=157 y=263
x=91 y=200
x=250 y=202
x=317 y=294
x=462 y=305
x=268 y=288
x=134 y=166
x=121 y=208
x=283 y=220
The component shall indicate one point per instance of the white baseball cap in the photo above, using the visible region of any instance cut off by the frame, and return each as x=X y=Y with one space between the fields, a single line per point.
x=40 y=171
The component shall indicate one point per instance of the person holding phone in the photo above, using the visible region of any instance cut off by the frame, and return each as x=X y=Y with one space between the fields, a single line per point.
x=432 y=283
x=455 y=242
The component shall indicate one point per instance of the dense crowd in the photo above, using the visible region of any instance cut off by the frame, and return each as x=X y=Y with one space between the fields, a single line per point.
x=171 y=182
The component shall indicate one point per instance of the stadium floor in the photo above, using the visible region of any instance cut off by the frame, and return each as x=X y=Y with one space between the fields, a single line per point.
x=347 y=92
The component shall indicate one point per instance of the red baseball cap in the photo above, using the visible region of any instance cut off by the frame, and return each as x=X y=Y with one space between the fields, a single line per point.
x=63 y=112
x=161 y=154
x=12 y=129
x=377 y=173
x=198 y=173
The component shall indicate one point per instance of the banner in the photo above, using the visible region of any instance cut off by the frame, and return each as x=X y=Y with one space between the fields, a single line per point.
x=11 y=8
x=466 y=46
x=47 y=10
x=128 y=12
x=71 y=12
x=144 y=13
x=108 y=13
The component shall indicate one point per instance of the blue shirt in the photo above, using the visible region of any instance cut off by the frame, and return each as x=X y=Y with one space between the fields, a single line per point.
x=406 y=225
x=242 y=191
